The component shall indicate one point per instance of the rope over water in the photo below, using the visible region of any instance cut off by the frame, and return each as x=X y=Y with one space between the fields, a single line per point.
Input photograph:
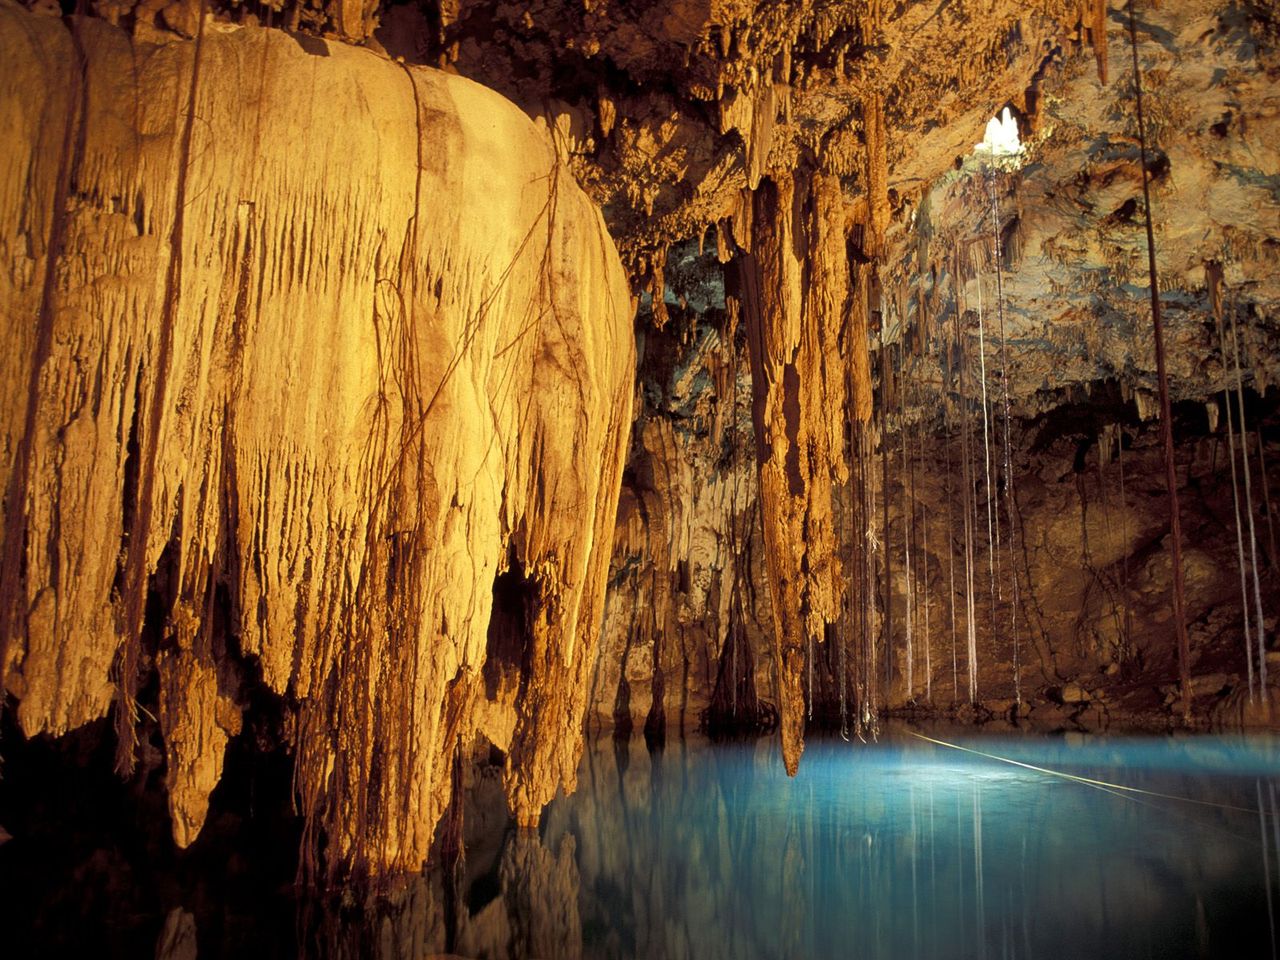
x=1088 y=781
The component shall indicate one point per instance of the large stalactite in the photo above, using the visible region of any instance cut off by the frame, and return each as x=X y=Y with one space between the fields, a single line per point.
x=795 y=289
x=281 y=403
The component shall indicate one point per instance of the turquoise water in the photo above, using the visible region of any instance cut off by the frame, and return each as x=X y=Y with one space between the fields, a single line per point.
x=906 y=849
x=897 y=849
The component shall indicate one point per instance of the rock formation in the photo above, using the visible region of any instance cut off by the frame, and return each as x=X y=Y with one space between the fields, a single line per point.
x=322 y=362
x=1049 y=250
x=283 y=401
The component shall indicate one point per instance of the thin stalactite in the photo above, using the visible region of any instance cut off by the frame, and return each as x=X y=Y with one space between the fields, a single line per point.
x=1261 y=647
x=907 y=487
x=1008 y=446
x=886 y=645
x=1266 y=497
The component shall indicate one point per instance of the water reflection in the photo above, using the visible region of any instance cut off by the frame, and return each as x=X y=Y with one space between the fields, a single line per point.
x=513 y=894
x=896 y=849
x=908 y=849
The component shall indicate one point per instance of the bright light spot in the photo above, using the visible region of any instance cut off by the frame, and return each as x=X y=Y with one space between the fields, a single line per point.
x=1001 y=140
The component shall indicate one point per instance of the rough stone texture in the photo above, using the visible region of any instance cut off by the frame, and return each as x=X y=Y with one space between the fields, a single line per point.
x=1066 y=313
x=688 y=535
x=676 y=107
x=1077 y=306
x=235 y=453
x=798 y=376
x=303 y=349
x=1081 y=369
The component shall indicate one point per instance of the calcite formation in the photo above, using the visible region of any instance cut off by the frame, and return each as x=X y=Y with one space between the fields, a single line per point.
x=683 y=596
x=1049 y=249
x=304 y=350
x=321 y=367
x=799 y=380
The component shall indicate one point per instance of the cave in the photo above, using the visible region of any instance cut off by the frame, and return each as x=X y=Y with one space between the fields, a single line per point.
x=771 y=478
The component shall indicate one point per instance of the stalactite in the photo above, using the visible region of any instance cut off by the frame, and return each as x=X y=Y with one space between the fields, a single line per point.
x=989 y=499
x=859 y=402
x=879 y=211
x=842 y=635
x=924 y=562
x=135 y=565
x=1261 y=647
x=1266 y=498
x=886 y=581
x=908 y=524
x=949 y=489
x=1097 y=13
x=877 y=696
x=264 y=425
x=1124 y=536
x=798 y=382
x=1166 y=414
x=735 y=704
x=871 y=673
x=657 y=290
x=968 y=507
x=21 y=485
x=859 y=346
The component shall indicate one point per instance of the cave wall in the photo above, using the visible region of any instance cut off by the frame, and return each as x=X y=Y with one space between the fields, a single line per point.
x=304 y=349
x=682 y=602
x=316 y=352
x=1065 y=224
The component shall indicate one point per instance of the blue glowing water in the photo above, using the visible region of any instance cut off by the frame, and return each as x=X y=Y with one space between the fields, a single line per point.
x=904 y=848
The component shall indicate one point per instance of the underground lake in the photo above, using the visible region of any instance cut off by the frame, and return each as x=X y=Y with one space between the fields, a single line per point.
x=929 y=842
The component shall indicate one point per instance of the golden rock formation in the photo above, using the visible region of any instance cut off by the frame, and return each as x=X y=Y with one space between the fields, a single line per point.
x=303 y=348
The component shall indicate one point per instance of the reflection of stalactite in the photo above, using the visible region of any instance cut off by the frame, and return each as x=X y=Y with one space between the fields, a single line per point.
x=540 y=889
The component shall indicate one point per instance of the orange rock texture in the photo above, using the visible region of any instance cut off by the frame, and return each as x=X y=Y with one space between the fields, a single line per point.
x=304 y=349
x=469 y=369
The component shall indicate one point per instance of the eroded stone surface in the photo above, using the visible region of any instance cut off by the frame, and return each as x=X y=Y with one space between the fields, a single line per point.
x=303 y=347
x=1080 y=362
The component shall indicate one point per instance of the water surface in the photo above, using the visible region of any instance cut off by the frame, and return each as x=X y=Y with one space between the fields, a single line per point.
x=904 y=848
x=896 y=849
